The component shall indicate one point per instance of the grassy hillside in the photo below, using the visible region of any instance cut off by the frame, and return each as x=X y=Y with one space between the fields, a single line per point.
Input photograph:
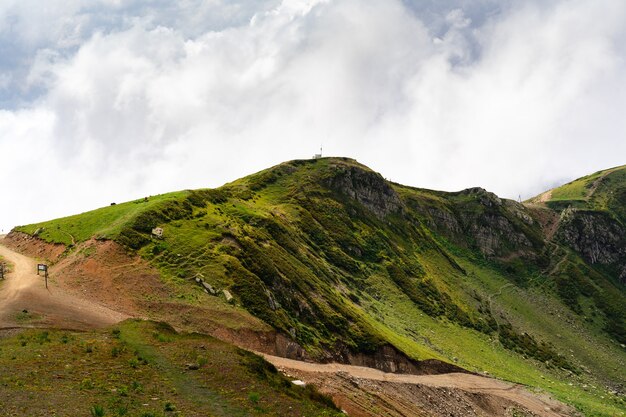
x=592 y=223
x=106 y=222
x=327 y=252
x=143 y=369
x=603 y=190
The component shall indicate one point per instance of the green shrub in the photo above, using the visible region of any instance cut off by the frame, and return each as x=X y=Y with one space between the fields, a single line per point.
x=97 y=411
x=422 y=292
x=87 y=383
x=123 y=391
x=132 y=239
x=263 y=179
x=256 y=261
x=315 y=395
x=526 y=344
x=258 y=366
x=250 y=290
x=43 y=337
x=254 y=397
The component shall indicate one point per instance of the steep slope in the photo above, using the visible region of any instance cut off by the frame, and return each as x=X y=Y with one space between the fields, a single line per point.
x=352 y=268
x=590 y=221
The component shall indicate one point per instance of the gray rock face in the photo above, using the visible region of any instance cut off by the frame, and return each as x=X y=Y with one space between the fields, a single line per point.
x=519 y=211
x=274 y=305
x=596 y=236
x=493 y=232
x=485 y=197
x=366 y=187
x=492 y=228
x=389 y=359
x=492 y=224
x=444 y=220
x=209 y=288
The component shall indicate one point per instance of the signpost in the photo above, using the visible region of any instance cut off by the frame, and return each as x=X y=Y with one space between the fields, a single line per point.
x=43 y=268
x=2 y=269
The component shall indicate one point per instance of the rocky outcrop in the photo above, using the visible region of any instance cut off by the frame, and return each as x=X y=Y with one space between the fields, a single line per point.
x=444 y=221
x=484 y=197
x=494 y=226
x=388 y=359
x=367 y=187
x=493 y=233
x=596 y=236
x=519 y=210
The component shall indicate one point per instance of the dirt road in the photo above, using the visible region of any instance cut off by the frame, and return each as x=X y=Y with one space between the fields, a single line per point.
x=466 y=387
x=25 y=302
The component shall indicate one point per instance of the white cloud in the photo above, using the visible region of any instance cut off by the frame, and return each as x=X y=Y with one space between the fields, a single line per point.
x=137 y=99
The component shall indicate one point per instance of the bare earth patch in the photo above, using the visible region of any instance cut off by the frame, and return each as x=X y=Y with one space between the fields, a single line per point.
x=26 y=302
x=367 y=392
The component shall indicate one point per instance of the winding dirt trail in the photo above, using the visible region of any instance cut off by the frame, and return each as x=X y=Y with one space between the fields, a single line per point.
x=25 y=301
x=540 y=405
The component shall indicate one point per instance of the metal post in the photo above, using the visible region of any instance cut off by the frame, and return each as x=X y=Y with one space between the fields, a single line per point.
x=46 y=278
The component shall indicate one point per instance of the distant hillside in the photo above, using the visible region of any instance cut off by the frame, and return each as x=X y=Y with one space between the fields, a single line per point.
x=348 y=266
x=592 y=213
x=603 y=190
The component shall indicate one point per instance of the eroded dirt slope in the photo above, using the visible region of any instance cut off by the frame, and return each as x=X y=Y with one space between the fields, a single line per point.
x=104 y=273
x=26 y=302
x=367 y=392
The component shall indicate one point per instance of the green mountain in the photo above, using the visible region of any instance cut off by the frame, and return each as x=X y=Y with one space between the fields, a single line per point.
x=350 y=267
x=602 y=191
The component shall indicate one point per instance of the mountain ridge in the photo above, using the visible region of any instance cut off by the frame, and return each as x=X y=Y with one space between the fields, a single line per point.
x=342 y=263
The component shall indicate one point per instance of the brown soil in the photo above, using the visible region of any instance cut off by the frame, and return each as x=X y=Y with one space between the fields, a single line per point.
x=548 y=219
x=26 y=302
x=367 y=392
x=103 y=272
x=547 y=196
x=33 y=247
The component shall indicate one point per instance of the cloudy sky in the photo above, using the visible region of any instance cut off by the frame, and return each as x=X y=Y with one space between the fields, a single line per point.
x=113 y=100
